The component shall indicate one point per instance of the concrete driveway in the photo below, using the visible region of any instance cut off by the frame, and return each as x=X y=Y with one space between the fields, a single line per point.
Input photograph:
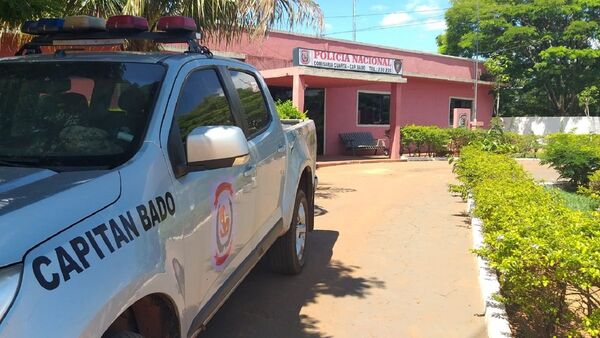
x=389 y=257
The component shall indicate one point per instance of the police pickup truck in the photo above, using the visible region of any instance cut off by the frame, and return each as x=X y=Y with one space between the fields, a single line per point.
x=137 y=190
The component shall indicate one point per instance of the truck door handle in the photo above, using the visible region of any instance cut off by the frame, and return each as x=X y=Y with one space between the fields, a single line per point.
x=250 y=171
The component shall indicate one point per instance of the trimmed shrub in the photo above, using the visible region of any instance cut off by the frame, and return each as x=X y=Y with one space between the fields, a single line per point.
x=287 y=110
x=547 y=255
x=575 y=157
x=431 y=140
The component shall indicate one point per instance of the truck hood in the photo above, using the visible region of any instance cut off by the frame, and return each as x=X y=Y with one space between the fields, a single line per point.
x=35 y=204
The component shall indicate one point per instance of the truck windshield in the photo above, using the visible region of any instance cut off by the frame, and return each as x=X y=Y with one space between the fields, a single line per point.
x=64 y=115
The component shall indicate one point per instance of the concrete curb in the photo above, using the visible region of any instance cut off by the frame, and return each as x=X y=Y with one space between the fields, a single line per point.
x=495 y=312
x=346 y=162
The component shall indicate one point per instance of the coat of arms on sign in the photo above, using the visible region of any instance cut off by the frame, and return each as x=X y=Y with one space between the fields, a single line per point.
x=398 y=66
x=304 y=57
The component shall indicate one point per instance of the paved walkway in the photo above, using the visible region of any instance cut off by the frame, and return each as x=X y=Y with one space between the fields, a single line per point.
x=539 y=172
x=389 y=257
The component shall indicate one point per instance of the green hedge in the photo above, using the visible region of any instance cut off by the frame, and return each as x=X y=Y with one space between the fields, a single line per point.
x=547 y=256
x=436 y=141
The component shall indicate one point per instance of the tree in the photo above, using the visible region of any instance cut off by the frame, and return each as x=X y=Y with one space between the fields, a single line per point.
x=222 y=19
x=543 y=52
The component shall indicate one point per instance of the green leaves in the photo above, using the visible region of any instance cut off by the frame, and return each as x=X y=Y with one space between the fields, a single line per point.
x=287 y=110
x=546 y=254
x=541 y=52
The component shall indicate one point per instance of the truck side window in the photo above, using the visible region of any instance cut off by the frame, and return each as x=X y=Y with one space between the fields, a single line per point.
x=202 y=102
x=252 y=100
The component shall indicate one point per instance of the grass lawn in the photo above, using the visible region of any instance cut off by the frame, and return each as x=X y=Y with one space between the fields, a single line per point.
x=576 y=201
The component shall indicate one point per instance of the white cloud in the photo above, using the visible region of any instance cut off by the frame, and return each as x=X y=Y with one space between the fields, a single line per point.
x=426 y=8
x=395 y=19
x=423 y=5
x=378 y=8
x=435 y=24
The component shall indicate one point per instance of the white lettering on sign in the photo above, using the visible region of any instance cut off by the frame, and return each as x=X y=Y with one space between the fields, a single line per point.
x=346 y=61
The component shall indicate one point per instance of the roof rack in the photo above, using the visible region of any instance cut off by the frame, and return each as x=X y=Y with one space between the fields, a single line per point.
x=104 y=38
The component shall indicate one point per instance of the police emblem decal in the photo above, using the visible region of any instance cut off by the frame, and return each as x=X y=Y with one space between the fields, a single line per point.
x=398 y=66
x=223 y=216
x=304 y=57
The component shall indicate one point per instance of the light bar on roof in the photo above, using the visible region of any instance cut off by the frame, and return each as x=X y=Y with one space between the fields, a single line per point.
x=126 y=23
x=176 y=24
x=86 y=23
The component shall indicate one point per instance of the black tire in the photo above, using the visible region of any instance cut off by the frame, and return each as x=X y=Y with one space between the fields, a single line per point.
x=122 y=334
x=283 y=256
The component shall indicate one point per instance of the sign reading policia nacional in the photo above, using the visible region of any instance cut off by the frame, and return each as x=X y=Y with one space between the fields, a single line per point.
x=346 y=61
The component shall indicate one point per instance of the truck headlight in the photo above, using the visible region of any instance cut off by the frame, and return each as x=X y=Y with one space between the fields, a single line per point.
x=9 y=284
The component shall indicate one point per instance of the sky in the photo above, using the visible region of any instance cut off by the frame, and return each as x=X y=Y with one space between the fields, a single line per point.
x=406 y=24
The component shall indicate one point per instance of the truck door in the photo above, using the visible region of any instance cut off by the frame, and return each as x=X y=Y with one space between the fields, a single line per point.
x=267 y=145
x=217 y=205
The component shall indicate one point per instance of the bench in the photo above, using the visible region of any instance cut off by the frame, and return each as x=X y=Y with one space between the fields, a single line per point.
x=362 y=141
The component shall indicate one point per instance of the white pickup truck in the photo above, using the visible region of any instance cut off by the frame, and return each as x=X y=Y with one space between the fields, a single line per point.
x=137 y=190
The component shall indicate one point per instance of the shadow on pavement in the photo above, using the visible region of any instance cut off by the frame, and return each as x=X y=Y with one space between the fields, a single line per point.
x=325 y=191
x=268 y=305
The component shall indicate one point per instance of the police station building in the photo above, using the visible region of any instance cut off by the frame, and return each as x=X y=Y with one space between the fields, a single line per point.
x=353 y=87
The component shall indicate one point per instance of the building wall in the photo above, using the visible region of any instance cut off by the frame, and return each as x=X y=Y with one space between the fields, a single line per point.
x=275 y=51
x=423 y=102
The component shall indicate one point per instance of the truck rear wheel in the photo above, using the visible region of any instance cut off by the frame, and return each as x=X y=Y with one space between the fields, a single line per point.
x=287 y=255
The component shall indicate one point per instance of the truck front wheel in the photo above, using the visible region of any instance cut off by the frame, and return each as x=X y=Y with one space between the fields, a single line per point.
x=287 y=255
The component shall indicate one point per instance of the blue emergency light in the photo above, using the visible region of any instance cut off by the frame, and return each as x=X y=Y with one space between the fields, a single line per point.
x=42 y=26
x=29 y=27
x=50 y=25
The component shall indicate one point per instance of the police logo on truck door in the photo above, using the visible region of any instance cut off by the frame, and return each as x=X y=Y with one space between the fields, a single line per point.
x=223 y=219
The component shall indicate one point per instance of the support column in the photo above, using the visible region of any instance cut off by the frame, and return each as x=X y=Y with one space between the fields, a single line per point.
x=396 y=90
x=298 y=92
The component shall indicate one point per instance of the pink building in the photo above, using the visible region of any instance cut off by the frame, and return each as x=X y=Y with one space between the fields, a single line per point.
x=353 y=87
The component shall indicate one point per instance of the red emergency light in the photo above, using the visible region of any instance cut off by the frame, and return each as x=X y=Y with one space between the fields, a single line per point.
x=176 y=23
x=126 y=23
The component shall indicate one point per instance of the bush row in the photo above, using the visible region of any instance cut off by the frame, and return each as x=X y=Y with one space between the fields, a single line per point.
x=547 y=256
x=436 y=141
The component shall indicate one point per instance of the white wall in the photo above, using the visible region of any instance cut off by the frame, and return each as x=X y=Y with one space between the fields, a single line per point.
x=548 y=125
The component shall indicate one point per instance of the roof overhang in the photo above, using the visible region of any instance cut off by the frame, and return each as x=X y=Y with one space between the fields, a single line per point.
x=324 y=78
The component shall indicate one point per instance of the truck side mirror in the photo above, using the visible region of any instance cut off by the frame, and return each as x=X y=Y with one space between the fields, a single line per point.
x=213 y=147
